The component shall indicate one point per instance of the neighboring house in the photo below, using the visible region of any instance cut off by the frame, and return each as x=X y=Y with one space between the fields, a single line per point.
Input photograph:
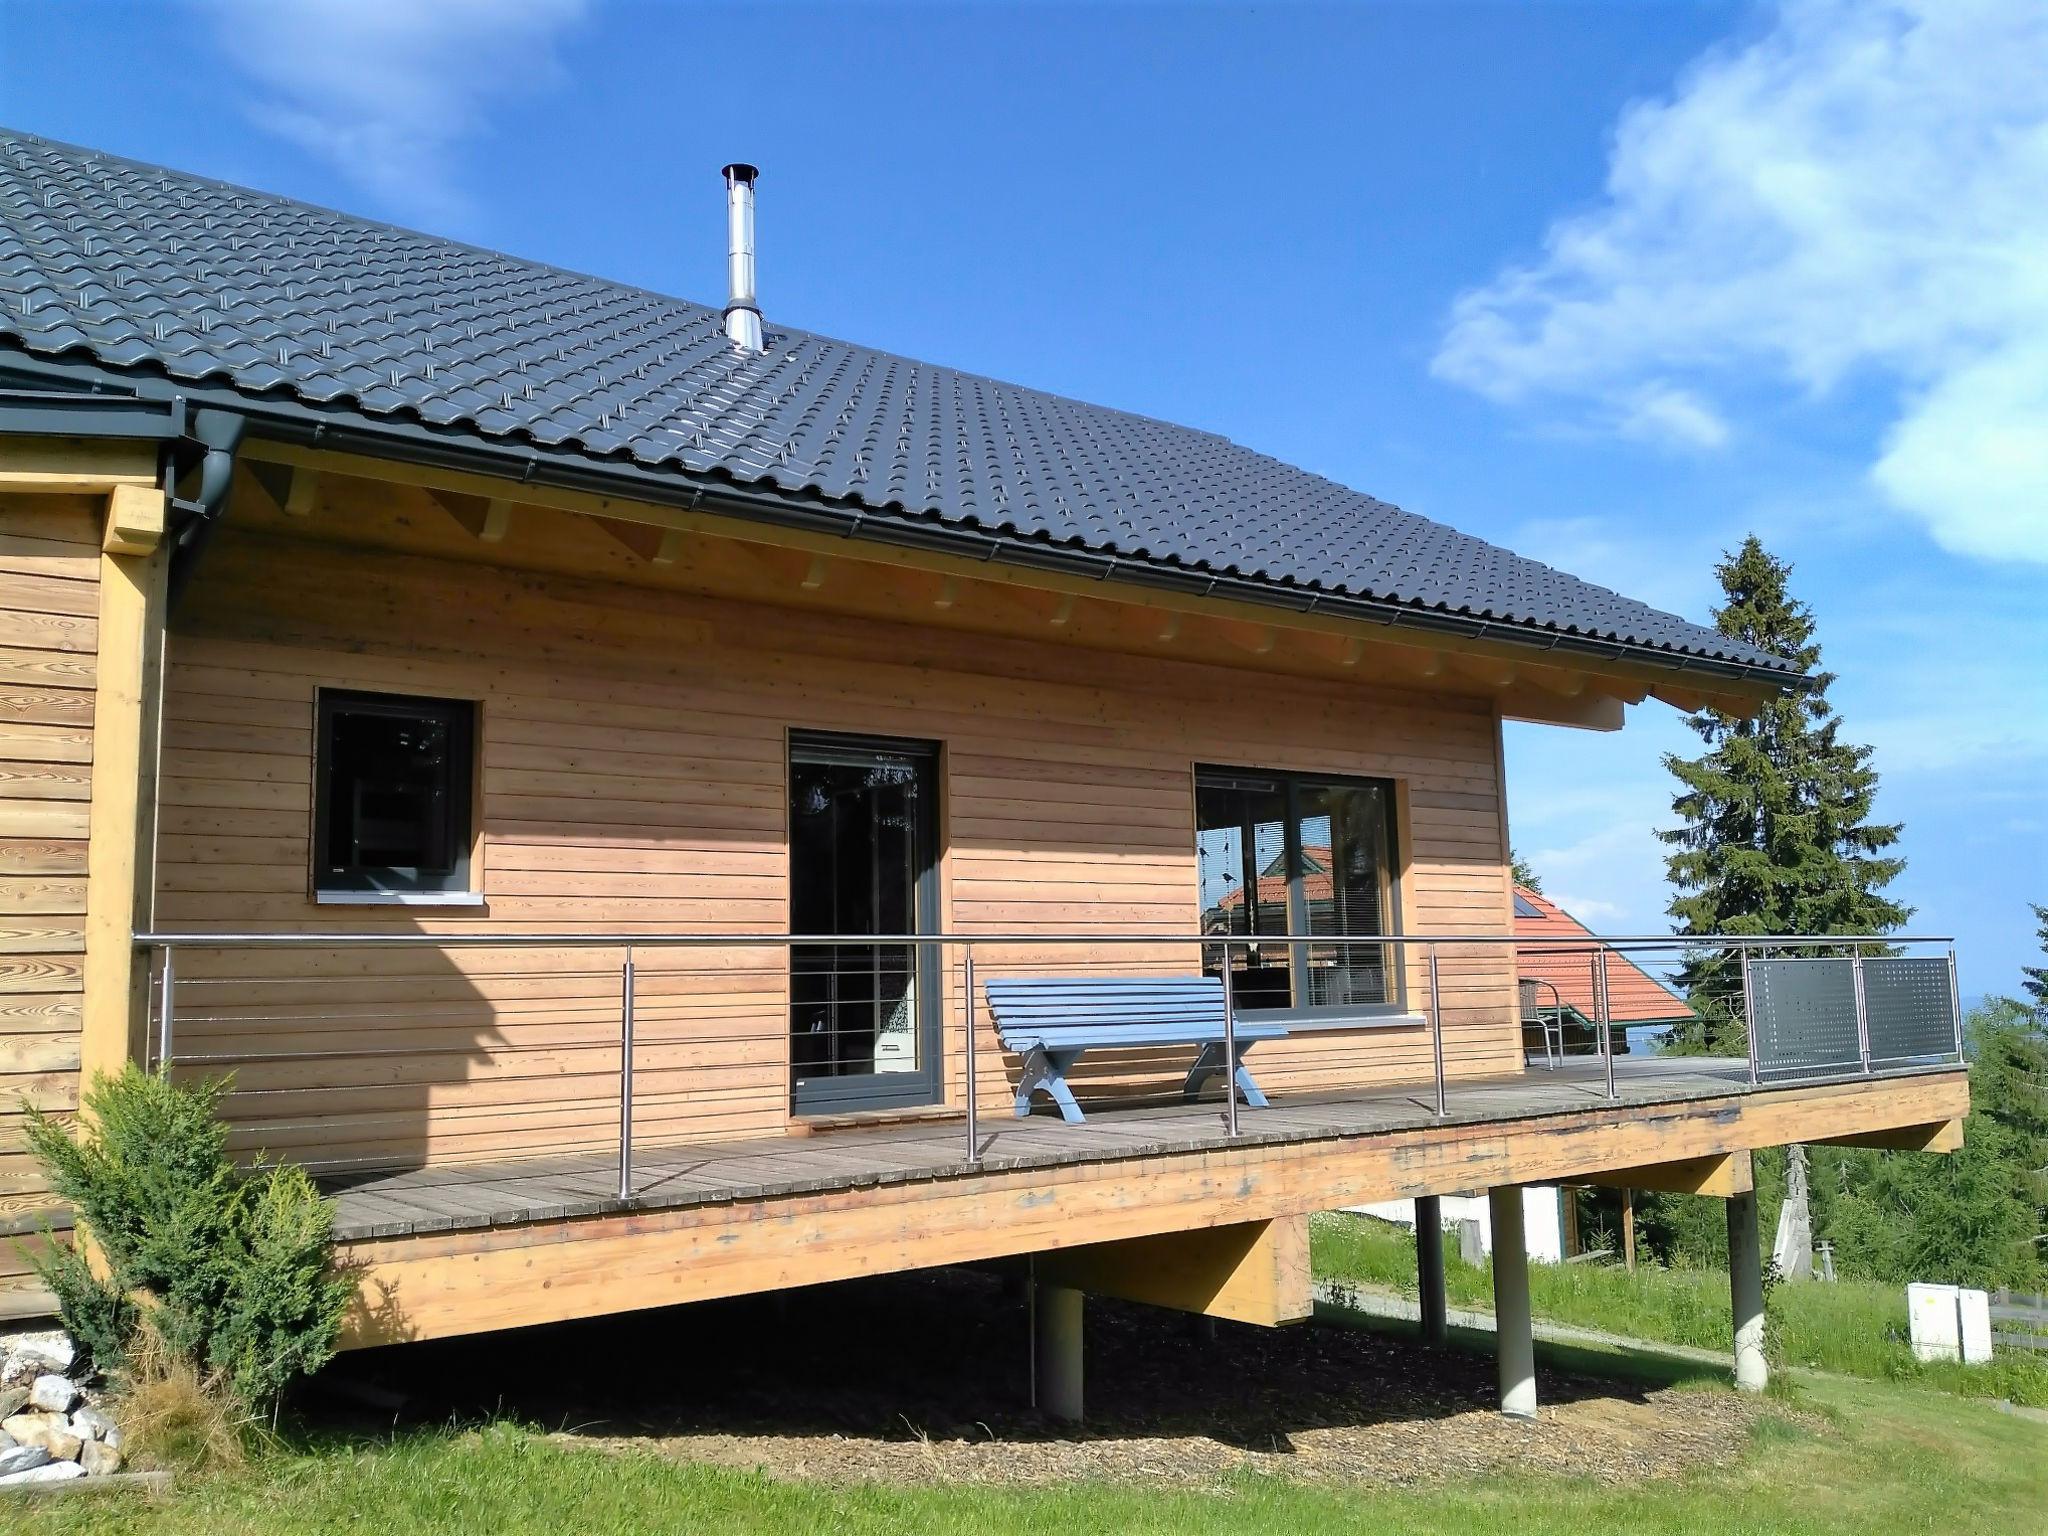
x=437 y=687
x=1566 y=982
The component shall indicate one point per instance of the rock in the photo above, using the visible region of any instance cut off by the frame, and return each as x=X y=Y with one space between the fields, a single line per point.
x=52 y=1349
x=98 y=1459
x=7 y=1441
x=12 y=1401
x=50 y=1431
x=88 y=1423
x=52 y=1394
x=23 y=1458
x=48 y=1472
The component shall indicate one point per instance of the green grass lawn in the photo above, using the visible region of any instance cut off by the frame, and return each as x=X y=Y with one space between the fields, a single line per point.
x=1891 y=1459
x=1850 y=1327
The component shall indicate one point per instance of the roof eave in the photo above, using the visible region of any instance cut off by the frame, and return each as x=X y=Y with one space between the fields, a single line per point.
x=347 y=430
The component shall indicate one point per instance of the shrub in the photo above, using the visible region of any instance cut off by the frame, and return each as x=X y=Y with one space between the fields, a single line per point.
x=227 y=1274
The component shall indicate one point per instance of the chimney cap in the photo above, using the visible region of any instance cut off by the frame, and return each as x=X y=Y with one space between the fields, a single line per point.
x=739 y=170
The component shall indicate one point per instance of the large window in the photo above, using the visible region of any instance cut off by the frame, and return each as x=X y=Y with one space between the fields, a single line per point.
x=391 y=816
x=1282 y=854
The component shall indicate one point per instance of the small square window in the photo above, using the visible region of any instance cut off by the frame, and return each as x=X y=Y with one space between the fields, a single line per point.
x=391 y=813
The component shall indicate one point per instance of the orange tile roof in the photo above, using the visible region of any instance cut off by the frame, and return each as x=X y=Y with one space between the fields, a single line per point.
x=1634 y=996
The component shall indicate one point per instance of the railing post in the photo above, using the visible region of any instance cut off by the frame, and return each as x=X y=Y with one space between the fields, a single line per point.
x=967 y=1011
x=1749 y=1017
x=1862 y=1011
x=1229 y=1045
x=626 y=1076
x=1606 y=1026
x=1955 y=1003
x=1436 y=1030
x=163 y=1005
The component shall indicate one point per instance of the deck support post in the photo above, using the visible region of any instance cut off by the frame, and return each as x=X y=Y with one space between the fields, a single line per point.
x=1515 y=1339
x=1057 y=1351
x=1429 y=1268
x=1746 y=1292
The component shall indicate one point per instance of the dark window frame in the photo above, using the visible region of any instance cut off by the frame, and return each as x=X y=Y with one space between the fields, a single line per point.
x=1290 y=784
x=336 y=883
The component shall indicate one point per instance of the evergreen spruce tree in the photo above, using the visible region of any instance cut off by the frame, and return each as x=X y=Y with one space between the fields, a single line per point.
x=1523 y=872
x=2035 y=984
x=1776 y=835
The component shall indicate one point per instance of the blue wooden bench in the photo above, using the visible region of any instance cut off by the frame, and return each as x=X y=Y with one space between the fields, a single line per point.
x=1050 y=1021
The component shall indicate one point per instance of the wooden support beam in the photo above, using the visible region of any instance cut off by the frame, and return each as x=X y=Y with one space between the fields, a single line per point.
x=1489 y=670
x=76 y=466
x=814 y=574
x=304 y=494
x=1690 y=700
x=135 y=520
x=126 y=700
x=655 y=545
x=436 y=1284
x=1251 y=1272
x=1722 y=1176
x=1935 y=1136
x=486 y=518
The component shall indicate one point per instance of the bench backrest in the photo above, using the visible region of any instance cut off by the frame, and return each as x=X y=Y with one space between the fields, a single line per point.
x=1107 y=1008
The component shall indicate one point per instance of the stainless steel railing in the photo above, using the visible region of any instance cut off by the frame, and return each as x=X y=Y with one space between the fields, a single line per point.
x=1786 y=983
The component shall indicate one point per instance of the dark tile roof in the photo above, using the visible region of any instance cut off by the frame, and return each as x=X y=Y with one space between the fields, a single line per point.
x=139 y=268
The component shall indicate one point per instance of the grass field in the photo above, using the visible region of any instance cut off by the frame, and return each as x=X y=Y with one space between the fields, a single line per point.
x=1849 y=1327
x=1884 y=1459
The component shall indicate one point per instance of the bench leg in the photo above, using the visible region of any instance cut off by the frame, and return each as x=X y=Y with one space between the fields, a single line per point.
x=1043 y=1069
x=1210 y=1062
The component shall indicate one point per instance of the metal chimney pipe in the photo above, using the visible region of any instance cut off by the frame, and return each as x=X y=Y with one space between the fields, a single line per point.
x=742 y=311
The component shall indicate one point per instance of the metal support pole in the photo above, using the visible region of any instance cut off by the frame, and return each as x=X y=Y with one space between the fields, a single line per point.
x=1436 y=1030
x=1433 y=1306
x=163 y=1015
x=1862 y=1010
x=1746 y=1292
x=1749 y=1018
x=626 y=1076
x=1229 y=1045
x=1955 y=1003
x=1514 y=1335
x=1606 y=1026
x=967 y=1009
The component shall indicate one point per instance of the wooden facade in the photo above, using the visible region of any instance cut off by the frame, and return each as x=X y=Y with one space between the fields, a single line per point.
x=637 y=674
x=633 y=747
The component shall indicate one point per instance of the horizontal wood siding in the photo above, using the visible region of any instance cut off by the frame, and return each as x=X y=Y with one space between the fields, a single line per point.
x=49 y=606
x=633 y=750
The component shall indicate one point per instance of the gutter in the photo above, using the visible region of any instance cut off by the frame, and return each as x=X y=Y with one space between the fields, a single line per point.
x=458 y=450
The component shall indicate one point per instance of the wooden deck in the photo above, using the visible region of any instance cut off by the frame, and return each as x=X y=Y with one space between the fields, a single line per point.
x=472 y=1196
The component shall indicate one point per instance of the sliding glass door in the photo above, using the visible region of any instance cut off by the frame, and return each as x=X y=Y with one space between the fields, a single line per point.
x=863 y=1017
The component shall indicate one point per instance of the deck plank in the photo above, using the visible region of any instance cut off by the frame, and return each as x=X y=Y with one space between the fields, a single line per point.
x=451 y=1196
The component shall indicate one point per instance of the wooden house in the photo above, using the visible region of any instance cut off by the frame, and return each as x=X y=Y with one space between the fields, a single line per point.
x=561 y=747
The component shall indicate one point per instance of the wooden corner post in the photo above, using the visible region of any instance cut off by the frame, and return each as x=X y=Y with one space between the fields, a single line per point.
x=121 y=834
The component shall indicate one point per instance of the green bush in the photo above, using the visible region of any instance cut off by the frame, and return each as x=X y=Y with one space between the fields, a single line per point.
x=230 y=1272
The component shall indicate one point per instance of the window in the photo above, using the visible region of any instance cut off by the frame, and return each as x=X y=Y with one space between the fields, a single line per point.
x=1285 y=854
x=391 y=812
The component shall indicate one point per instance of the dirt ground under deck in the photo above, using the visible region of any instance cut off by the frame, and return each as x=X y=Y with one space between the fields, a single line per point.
x=926 y=1378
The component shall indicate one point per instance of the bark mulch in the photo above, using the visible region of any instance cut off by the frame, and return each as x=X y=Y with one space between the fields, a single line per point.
x=917 y=1379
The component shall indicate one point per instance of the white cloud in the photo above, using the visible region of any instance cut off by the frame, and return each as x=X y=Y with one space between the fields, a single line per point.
x=1857 y=194
x=385 y=90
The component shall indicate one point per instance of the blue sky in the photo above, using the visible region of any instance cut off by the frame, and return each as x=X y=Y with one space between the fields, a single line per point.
x=1610 y=284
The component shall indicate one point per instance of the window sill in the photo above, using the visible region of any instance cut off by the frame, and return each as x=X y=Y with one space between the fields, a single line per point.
x=1352 y=1022
x=398 y=898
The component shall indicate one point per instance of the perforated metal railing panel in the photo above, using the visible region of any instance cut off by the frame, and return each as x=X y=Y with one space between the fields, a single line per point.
x=1803 y=1015
x=1910 y=1007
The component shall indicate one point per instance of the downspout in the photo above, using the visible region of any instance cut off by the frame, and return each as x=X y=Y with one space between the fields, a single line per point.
x=219 y=434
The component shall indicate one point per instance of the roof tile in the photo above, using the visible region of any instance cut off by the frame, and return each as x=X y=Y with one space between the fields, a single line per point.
x=146 y=268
